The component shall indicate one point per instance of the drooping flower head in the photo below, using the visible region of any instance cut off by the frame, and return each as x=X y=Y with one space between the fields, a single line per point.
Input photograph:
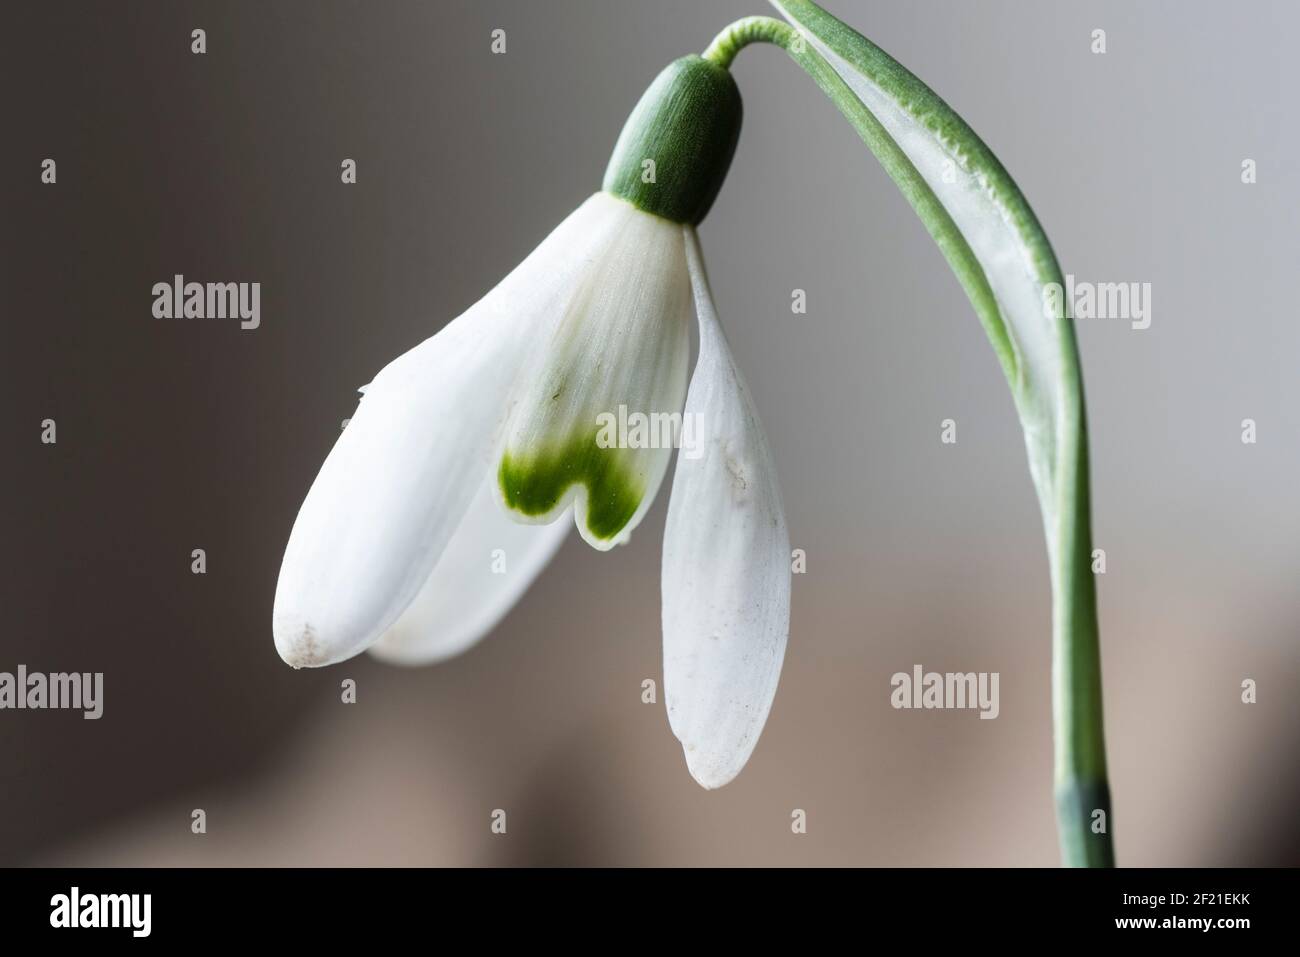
x=482 y=439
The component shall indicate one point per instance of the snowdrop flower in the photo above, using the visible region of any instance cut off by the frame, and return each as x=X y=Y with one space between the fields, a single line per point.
x=453 y=484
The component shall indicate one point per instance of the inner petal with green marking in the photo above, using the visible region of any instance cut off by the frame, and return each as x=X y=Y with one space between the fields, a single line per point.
x=537 y=484
x=619 y=350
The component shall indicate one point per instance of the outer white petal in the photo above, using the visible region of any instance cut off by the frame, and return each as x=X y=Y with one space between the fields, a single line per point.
x=726 y=565
x=401 y=476
x=621 y=349
x=488 y=565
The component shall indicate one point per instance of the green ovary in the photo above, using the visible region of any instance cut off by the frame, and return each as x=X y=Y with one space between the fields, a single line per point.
x=536 y=483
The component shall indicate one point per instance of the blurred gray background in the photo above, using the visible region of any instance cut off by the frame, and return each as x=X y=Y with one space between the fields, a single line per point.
x=181 y=435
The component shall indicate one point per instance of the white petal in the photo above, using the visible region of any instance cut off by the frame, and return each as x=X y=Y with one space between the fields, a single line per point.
x=622 y=351
x=401 y=476
x=726 y=565
x=487 y=566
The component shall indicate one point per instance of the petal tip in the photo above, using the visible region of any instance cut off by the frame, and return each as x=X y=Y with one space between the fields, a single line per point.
x=621 y=537
x=300 y=646
x=709 y=774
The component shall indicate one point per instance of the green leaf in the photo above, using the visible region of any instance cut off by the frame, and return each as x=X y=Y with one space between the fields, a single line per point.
x=1002 y=258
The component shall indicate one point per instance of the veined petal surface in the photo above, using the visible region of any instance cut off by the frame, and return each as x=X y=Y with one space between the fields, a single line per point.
x=593 y=420
x=400 y=478
x=726 y=565
x=486 y=568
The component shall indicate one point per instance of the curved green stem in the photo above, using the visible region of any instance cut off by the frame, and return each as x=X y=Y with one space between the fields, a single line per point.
x=888 y=106
x=736 y=36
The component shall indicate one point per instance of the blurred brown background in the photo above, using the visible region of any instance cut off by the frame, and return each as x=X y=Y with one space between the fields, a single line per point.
x=175 y=435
